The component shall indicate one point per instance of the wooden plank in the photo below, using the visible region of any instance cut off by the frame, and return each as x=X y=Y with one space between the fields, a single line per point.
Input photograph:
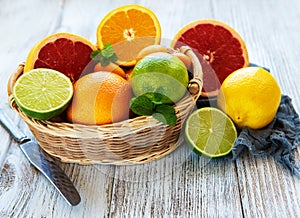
x=16 y=40
x=22 y=28
x=266 y=189
x=6 y=140
x=181 y=184
x=26 y=193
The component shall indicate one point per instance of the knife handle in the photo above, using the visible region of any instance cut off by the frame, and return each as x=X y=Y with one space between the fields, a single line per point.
x=12 y=128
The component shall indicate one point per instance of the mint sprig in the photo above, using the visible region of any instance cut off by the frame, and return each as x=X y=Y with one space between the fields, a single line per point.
x=165 y=114
x=104 y=56
x=154 y=104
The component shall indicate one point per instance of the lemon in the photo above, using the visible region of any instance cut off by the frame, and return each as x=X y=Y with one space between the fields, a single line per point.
x=250 y=96
x=210 y=132
x=160 y=73
x=43 y=93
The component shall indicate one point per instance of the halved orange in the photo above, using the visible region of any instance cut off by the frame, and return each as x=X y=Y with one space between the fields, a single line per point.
x=220 y=49
x=64 y=52
x=129 y=29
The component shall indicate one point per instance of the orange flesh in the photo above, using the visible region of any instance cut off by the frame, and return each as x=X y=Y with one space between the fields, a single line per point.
x=129 y=29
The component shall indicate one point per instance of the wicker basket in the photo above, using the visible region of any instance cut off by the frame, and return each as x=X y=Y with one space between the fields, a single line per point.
x=133 y=141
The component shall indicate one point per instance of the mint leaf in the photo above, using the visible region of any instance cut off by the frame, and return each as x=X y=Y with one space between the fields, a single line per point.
x=114 y=58
x=104 y=61
x=107 y=50
x=105 y=56
x=149 y=104
x=94 y=54
x=165 y=114
x=158 y=98
x=142 y=105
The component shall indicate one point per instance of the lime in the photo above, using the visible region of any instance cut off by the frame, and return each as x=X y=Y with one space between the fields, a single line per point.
x=43 y=93
x=210 y=132
x=160 y=73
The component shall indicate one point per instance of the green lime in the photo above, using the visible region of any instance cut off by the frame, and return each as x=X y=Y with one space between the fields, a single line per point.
x=43 y=93
x=160 y=73
x=210 y=132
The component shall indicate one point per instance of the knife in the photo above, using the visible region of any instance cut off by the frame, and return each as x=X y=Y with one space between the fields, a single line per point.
x=42 y=161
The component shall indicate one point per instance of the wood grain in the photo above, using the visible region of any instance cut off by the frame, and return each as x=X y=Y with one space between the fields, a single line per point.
x=181 y=184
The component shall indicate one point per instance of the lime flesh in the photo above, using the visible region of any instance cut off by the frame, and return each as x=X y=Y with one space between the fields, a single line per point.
x=210 y=132
x=43 y=93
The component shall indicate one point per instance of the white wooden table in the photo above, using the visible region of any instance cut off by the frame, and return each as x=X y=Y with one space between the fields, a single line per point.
x=181 y=184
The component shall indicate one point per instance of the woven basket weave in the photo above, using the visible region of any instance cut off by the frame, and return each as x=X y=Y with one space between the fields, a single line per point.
x=133 y=141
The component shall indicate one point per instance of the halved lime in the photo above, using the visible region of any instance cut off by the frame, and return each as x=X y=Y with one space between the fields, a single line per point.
x=210 y=132
x=43 y=93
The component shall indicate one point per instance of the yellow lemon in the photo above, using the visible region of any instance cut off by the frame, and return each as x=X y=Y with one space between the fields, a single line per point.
x=250 y=96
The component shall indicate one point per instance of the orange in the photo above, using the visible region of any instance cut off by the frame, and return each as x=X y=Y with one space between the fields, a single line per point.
x=250 y=96
x=129 y=28
x=220 y=49
x=100 y=98
x=64 y=52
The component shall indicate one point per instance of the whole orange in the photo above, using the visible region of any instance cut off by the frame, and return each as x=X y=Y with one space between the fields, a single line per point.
x=100 y=98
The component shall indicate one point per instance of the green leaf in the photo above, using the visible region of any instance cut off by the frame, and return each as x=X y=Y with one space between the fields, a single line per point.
x=94 y=54
x=145 y=105
x=165 y=114
x=104 y=61
x=105 y=56
x=114 y=58
x=158 y=98
x=108 y=50
x=142 y=105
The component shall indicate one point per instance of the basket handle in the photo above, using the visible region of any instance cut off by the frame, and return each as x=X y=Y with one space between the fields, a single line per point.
x=196 y=83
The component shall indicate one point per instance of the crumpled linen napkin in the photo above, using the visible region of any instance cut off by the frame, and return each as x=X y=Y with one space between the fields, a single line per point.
x=279 y=139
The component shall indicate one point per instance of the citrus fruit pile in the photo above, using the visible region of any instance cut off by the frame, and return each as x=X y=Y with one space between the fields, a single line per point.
x=248 y=96
x=128 y=72
x=97 y=83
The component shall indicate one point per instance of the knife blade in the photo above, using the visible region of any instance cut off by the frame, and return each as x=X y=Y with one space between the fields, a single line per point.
x=42 y=161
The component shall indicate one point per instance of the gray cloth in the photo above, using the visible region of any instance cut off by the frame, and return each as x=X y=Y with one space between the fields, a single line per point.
x=279 y=139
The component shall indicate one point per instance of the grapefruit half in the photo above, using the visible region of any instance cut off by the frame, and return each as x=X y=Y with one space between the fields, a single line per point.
x=220 y=49
x=64 y=52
